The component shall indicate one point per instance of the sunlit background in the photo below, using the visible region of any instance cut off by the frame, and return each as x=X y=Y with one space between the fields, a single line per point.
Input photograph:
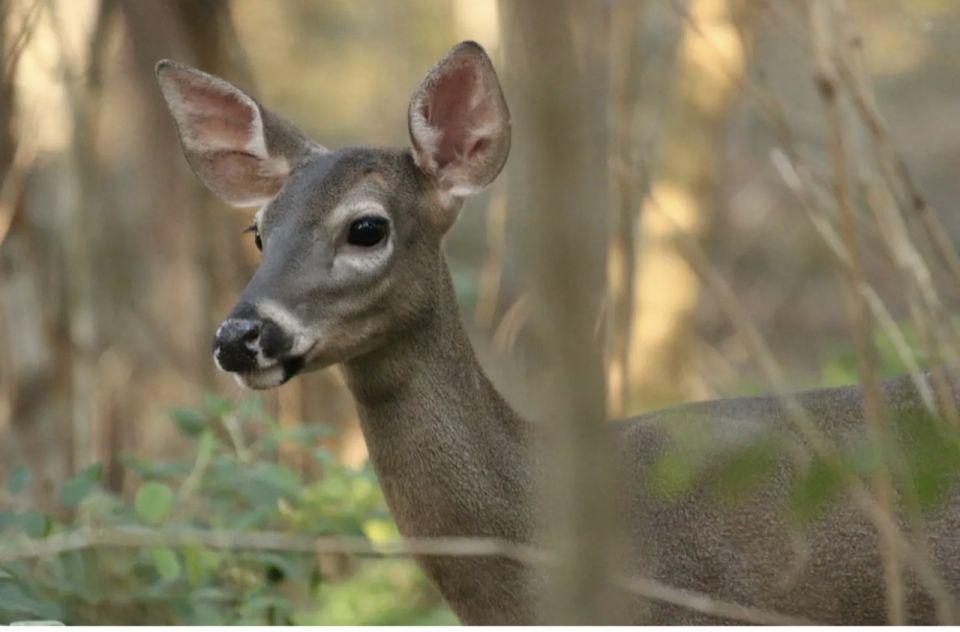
x=116 y=266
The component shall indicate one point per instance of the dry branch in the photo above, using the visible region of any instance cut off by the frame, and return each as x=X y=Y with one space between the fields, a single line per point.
x=24 y=549
x=826 y=26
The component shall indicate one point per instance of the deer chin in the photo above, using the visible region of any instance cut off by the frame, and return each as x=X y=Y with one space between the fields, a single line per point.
x=271 y=376
x=262 y=379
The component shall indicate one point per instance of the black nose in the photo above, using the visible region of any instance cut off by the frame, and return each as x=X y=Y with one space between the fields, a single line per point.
x=235 y=344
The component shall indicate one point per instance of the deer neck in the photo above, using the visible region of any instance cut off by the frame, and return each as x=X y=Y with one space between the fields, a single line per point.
x=450 y=453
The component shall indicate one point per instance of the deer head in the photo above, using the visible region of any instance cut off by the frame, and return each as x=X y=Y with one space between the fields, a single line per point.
x=350 y=238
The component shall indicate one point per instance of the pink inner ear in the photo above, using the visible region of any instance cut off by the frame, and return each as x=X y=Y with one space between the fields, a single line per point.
x=450 y=111
x=236 y=176
x=216 y=118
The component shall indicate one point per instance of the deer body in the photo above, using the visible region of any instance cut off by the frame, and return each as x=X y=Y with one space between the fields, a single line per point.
x=353 y=273
x=454 y=460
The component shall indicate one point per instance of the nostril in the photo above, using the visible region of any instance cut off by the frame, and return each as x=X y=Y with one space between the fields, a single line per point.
x=236 y=345
x=252 y=333
x=235 y=331
x=274 y=340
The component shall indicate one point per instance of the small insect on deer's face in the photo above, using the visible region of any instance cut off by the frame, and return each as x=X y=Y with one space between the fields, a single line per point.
x=350 y=239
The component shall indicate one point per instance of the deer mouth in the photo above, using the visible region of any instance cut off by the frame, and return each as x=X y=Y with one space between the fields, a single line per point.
x=270 y=376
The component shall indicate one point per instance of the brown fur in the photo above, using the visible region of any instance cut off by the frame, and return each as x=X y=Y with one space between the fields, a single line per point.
x=453 y=459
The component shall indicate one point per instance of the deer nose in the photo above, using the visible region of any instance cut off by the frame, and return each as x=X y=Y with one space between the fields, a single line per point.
x=236 y=344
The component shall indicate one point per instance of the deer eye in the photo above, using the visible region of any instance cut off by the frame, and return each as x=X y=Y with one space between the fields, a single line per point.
x=367 y=232
x=253 y=228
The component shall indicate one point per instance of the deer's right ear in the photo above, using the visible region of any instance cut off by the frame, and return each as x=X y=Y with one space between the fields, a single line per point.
x=239 y=150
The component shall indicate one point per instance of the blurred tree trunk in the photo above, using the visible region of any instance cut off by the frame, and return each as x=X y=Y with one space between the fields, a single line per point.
x=29 y=393
x=196 y=232
x=711 y=63
x=204 y=236
x=556 y=55
x=46 y=316
x=92 y=242
x=625 y=195
x=7 y=72
x=210 y=37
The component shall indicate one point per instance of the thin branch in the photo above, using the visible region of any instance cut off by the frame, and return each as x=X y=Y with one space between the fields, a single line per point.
x=25 y=549
x=826 y=27
x=698 y=602
x=893 y=168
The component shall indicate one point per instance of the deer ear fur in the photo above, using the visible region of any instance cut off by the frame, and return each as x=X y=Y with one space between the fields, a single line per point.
x=459 y=122
x=239 y=150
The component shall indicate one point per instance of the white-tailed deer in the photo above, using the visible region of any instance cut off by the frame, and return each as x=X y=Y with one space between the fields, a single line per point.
x=353 y=272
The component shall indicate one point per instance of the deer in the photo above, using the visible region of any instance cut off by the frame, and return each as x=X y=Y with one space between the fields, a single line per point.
x=353 y=273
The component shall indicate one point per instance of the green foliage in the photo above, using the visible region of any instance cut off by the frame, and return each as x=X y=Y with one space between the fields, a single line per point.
x=153 y=502
x=389 y=592
x=814 y=489
x=842 y=367
x=921 y=451
x=83 y=483
x=19 y=480
x=233 y=482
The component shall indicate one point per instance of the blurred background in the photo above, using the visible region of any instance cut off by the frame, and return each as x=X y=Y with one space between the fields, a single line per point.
x=712 y=175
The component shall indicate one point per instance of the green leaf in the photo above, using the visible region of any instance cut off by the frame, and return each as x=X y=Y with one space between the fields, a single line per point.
x=200 y=564
x=205 y=445
x=166 y=562
x=379 y=530
x=153 y=502
x=190 y=422
x=35 y=524
x=251 y=406
x=32 y=523
x=19 y=480
x=217 y=405
x=8 y=520
x=814 y=489
x=81 y=485
x=931 y=464
x=744 y=470
x=672 y=475
x=14 y=601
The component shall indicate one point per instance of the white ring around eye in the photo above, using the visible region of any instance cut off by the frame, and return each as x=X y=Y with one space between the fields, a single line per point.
x=363 y=259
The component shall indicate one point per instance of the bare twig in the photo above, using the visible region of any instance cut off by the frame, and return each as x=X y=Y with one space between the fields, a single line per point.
x=690 y=600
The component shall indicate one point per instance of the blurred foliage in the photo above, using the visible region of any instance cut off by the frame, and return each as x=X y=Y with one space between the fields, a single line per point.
x=840 y=366
x=922 y=450
x=233 y=481
x=838 y=360
x=924 y=453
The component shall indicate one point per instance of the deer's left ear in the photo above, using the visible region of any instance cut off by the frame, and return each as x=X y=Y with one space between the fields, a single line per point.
x=239 y=150
x=459 y=122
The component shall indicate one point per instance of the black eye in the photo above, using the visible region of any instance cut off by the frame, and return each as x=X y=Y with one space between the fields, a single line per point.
x=253 y=228
x=368 y=231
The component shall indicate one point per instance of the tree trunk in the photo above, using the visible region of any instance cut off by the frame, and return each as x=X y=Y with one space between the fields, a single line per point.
x=665 y=289
x=555 y=52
